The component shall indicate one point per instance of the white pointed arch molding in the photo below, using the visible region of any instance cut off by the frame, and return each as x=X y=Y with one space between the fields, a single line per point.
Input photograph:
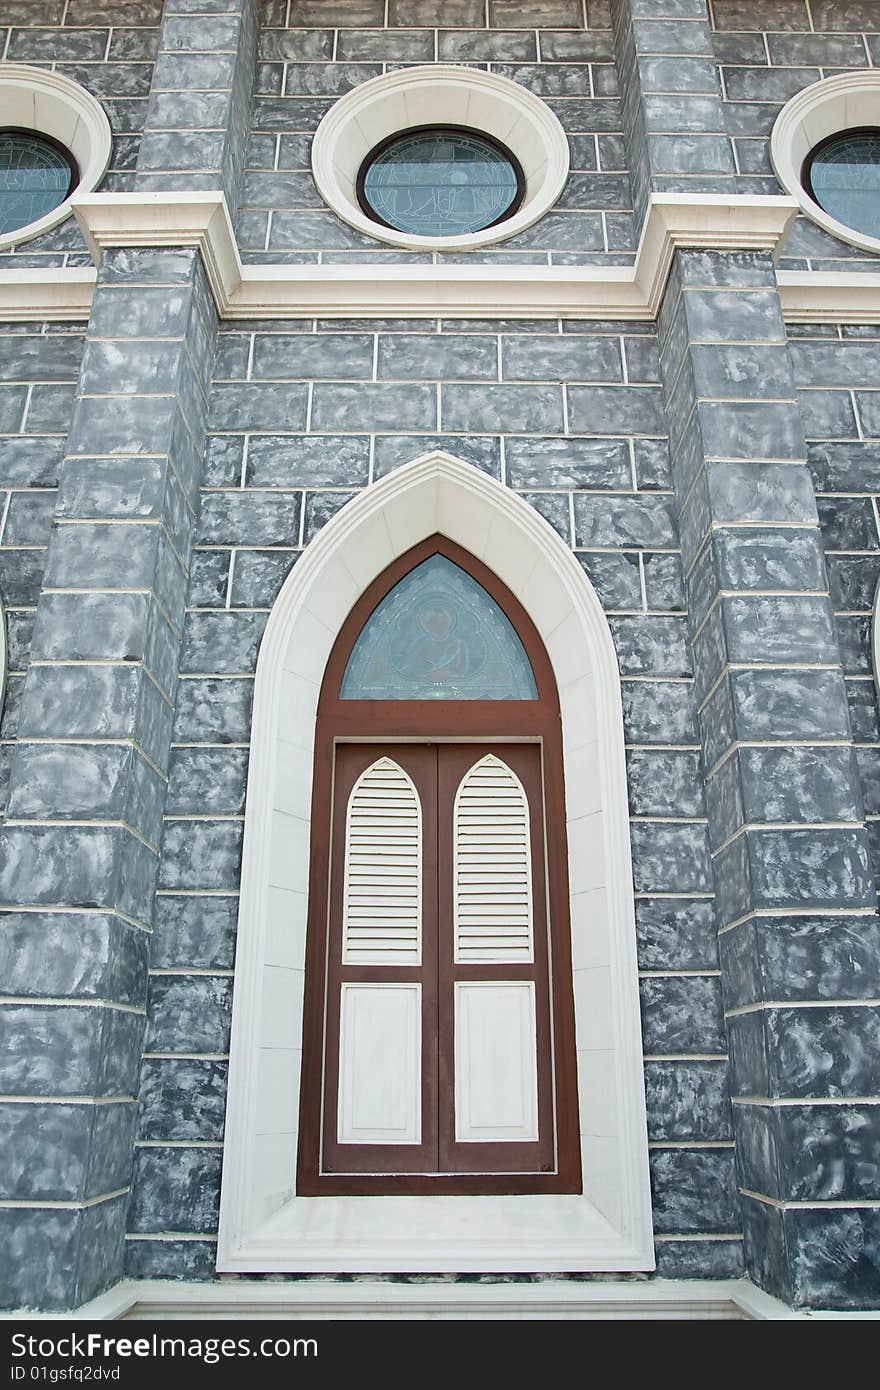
x=264 y=1226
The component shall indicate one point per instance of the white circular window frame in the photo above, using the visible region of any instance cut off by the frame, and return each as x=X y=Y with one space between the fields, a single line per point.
x=46 y=103
x=830 y=107
x=437 y=94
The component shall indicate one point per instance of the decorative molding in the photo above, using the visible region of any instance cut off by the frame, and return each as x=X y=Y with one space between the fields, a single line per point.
x=56 y=294
x=415 y=291
x=675 y=1299
x=829 y=107
x=840 y=296
x=48 y=104
x=440 y=94
x=264 y=1226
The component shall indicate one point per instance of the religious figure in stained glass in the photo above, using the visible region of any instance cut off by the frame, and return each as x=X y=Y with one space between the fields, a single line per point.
x=438 y=635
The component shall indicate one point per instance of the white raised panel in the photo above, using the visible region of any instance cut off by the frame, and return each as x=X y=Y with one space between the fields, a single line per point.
x=380 y=1062
x=382 y=894
x=496 y=1077
x=492 y=867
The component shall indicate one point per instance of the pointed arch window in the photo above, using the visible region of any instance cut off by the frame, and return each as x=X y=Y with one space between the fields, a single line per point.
x=438 y=1031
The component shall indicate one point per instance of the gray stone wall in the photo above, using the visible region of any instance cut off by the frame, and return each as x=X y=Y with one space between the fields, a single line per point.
x=314 y=50
x=767 y=51
x=38 y=370
x=79 y=848
x=836 y=371
x=302 y=415
x=108 y=48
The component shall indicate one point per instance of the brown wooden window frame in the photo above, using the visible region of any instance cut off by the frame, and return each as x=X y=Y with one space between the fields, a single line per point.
x=425 y=722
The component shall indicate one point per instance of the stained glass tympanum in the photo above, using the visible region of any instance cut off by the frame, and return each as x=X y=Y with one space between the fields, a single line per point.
x=843 y=175
x=440 y=182
x=438 y=635
x=35 y=176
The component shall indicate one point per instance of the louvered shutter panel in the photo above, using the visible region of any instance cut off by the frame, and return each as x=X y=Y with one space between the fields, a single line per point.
x=492 y=868
x=382 y=903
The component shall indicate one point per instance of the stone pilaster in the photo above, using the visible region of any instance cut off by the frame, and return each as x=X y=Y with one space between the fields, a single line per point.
x=198 y=116
x=798 y=930
x=673 y=114
x=80 y=846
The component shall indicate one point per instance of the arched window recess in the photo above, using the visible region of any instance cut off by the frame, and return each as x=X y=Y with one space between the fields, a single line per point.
x=438 y=1036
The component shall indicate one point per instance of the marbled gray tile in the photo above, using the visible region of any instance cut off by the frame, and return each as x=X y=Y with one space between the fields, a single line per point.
x=676 y=934
x=645 y=522
x=246 y=405
x=435 y=356
x=205 y=781
x=258 y=576
x=201 y=854
x=336 y=356
x=687 y=1100
x=561 y=358
x=670 y=858
x=616 y=579
x=39 y=1257
x=249 y=517
x=165 y=1258
x=694 y=1190
x=374 y=406
x=682 y=1014
x=521 y=409
x=664 y=783
x=221 y=643
x=188 y=1013
x=182 y=1100
x=175 y=1190
x=616 y=410
x=835 y=1257
x=392 y=450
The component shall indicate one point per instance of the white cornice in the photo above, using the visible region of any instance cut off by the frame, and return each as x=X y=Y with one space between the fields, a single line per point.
x=675 y=1299
x=476 y=290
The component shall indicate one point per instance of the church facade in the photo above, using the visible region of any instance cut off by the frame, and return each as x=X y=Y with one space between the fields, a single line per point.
x=439 y=456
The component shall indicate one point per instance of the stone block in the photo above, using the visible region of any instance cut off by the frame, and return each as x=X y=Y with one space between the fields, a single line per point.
x=670 y=858
x=438 y=356
x=221 y=642
x=250 y=405
x=682 y=1014
x=615 y=578
x=616 y=409
x=175 y=1190
x=194 y=932
x=298 y=356
x=375 y=406
x=640 y=522
x=566 y=462
x=309 y=460
x=201 y=854
x=687 y=1100
x=676 y=934
x=182 y=1100
x=694 y=1190
x=664 y=783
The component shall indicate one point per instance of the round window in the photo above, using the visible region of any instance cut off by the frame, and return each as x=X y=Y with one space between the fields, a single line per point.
x=440 y=181
x=842 y=175
x=36 y=176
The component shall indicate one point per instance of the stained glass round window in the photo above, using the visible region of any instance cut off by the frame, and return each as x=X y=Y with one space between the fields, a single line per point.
x=35 y=176
x=440 y=181
x=843 y=176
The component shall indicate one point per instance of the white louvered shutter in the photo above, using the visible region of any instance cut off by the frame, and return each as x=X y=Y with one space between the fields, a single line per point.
x=382 y=894
x=492 y=867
